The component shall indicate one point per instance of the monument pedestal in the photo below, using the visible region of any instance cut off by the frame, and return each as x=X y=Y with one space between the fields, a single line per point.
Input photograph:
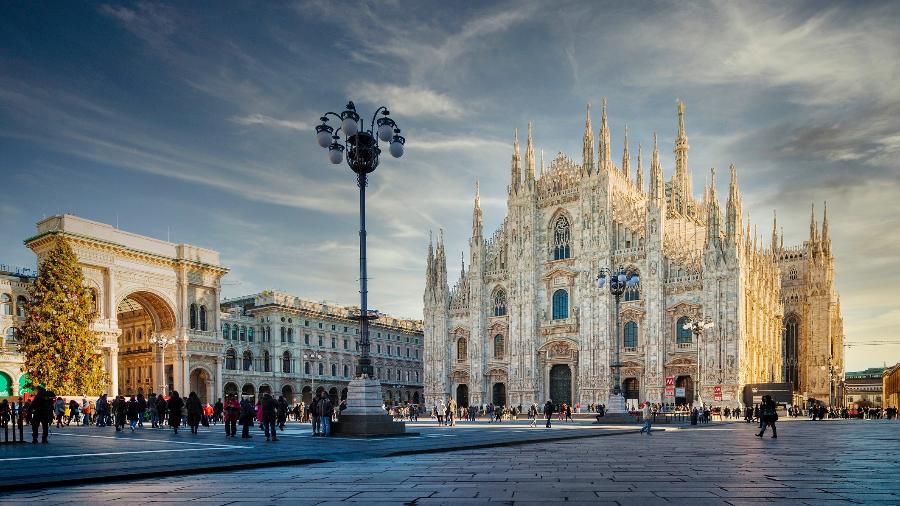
x=616 y=411
x=364 y=416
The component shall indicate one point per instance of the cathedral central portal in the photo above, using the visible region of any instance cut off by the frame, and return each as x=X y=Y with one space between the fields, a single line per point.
x=561 y=384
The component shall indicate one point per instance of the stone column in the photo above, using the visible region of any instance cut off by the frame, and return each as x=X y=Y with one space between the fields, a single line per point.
x=220 y=385
x=114 y=370
x=185 y=364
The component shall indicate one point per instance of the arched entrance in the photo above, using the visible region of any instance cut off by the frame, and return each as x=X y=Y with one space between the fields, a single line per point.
x=231 y=389
x=687 y=383
x=6 y=385
x=561 y=384
x=249 y=391
x=462 y=396
x=201 y=382
x=287 y=392
x=416 y=397
x=499 y=394
x=139 y=363
x=306 y=394
x=264 y=389
x=632 y=390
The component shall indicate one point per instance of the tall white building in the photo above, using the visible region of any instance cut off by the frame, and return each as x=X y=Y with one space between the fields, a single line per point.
x=525 y=322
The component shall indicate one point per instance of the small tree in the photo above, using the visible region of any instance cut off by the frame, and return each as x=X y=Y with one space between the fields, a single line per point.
x=61 y=350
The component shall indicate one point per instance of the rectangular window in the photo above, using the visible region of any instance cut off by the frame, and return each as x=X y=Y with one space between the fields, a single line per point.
x=389 y=349
x=378 y=348
x=334 y=327
x=306 y=323
x=407 y=353
x=320 y=341
x=333 y=343
x=345 y=330
x=320 y=324
x=379 y=334
x=346 y=344
x=306 y=339
x=417 y=353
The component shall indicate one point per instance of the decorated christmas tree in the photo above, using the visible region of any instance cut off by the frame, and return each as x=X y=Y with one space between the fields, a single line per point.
x=61 y=351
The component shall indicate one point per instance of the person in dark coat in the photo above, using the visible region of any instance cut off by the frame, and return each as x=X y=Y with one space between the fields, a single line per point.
x=142 y=408
x=162 y=408
x=218 y=409
x=548 y=411
x=174 y=408
x=282 y=409
x=269 y=412
x=119 y=409
x=132 y=412
x=39 y=409
x=248 y=414
x=194 y=411
x=768 y=415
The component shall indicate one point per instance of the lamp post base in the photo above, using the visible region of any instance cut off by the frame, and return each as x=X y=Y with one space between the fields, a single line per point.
x=365 y=415
x=616 y=404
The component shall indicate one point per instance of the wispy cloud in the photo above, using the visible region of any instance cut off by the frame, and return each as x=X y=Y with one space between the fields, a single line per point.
x=268 y=121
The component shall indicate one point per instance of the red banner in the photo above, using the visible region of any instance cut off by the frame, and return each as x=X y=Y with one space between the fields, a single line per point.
x=717 y=392
x=670 y=386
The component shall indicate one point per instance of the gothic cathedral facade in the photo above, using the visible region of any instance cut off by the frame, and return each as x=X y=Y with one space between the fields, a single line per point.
x=526 y=321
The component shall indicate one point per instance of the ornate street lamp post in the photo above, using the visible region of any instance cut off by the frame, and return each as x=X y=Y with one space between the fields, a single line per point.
x=364 y=414
x=618 y=283
x=698 y=327
x=161 y=342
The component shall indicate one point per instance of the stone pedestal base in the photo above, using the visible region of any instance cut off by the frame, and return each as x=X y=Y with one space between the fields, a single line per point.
x=364 y=416
x=616 y=419
x=616 y=404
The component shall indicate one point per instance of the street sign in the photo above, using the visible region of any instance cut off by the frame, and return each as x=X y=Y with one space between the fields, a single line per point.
x=670 y=386
x=717 y=392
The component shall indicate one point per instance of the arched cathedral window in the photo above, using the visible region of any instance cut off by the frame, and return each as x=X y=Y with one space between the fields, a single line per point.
x=561 y=239
x=203 y=318
x=631 y=333
x=498 y=346
x=230 y=360
x=461 y=349
x=499 y=303
x=682 y=335
x=560 y=304
x=193 y=316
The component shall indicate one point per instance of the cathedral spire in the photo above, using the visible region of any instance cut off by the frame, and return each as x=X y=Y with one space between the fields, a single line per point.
x=734 y=209
x=605 y=159
x=657 y=183
x=441 y=263
x=813 y=232
x=477 y=216
x=826 y=242
x=587 y=149
x=713 y=214
x=429 y=268
x=529 y=160
x=681 y=180
x=462 y=270
x=639 y=179
x=626 y=157
x=515 y=169
x=774 y=231
x=542 y=162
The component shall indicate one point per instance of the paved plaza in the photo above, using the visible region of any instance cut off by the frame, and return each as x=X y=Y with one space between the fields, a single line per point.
x=831 y=462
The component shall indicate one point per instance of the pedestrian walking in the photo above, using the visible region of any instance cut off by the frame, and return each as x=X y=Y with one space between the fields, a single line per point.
x=548 y=411
x=326 y=410
x=194 y=411
x=120 y=411
x=281 y=411
x=768 y=416
x=174 y=406
x=131 y=412
x=232 y=410
x=39 y=412
x=533 y=413
x=645 y=413
x=269 y=408
x=248 y=414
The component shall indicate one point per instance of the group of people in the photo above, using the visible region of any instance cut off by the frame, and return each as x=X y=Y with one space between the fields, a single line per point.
x=41 y=410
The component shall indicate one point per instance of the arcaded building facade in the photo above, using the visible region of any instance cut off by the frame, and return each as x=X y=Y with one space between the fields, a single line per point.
x=526 y=322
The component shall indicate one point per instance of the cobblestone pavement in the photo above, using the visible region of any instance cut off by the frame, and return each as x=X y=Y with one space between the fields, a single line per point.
x=832 y=462
x=98 y=453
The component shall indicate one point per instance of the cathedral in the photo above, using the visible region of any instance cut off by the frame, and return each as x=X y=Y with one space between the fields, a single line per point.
x=526 y=321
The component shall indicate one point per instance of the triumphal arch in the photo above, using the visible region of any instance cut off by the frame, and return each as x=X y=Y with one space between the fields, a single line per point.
x=156 y=305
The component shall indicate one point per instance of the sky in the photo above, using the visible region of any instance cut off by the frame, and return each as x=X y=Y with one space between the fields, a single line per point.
x=193 y=121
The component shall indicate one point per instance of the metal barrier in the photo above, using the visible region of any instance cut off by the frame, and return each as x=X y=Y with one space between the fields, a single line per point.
x=16 y=418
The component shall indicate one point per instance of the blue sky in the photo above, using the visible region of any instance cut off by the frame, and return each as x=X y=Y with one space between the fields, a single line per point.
x=195 y=119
